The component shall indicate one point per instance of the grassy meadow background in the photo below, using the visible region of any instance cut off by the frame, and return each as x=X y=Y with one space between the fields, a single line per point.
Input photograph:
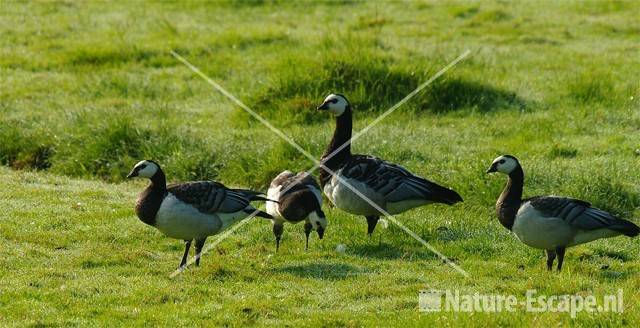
x=89 y=88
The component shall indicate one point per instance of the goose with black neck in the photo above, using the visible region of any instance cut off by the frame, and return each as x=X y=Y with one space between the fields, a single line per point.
x=391 y=187
x=191 y=210
x=551 y=223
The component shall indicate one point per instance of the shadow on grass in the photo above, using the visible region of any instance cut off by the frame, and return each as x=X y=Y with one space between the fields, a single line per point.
x=454 y=94
x=103 y=263
x=385 y=251
x=333 y=271
x=599 y=254
x=610 y=275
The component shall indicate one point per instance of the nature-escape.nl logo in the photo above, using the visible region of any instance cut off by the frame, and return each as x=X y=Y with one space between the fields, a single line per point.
x=456 y=301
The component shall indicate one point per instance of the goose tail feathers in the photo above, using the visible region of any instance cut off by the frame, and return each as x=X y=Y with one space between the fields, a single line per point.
x=259 y=213
x=625 y=227
x=445 y=195
x=255 y=195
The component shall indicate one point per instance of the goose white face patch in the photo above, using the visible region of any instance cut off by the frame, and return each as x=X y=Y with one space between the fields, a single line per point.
x=148 y=169
x=337 y=104
x=505 y=164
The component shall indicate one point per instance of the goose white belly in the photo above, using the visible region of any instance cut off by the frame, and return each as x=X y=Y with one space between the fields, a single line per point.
x=180 y=220
x=347 y=200
x=405 y=205
x=537 y=231
x=585 y=236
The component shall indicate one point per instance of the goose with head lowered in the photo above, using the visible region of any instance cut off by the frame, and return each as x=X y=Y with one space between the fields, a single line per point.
x=551 y=223
x=191 y=210
x=298 y=199
x=392 y=188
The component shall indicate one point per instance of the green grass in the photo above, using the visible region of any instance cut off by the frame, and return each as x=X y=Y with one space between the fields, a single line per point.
x=87 y=89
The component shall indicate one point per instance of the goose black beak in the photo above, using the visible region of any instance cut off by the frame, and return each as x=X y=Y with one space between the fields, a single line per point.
x=324 y=106
x=492 y=169
x=132 y=174
x=320 y=232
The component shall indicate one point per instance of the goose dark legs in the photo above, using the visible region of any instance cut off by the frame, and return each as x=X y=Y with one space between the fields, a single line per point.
x=277 y=231
x=199 y=246
x=307 y=231
x=560 y=251
x=187 y=245
x=371 y=224
x=551 y=256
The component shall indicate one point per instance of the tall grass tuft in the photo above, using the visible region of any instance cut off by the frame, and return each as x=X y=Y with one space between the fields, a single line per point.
x=591 y=87
x=23 y=148
x=373 y=80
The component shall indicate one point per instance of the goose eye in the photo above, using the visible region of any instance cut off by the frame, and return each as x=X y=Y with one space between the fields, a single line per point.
x=334 y=101
x=501 y=161
x=141 y=167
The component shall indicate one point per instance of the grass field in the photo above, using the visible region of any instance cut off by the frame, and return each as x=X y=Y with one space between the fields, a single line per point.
x=89 y=88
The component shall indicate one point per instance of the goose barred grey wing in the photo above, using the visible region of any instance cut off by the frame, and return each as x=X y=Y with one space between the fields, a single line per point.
x=211 y=197
x=395 y=183
x=580 y=214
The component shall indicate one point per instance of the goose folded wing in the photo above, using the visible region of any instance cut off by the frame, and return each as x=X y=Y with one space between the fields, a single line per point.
x=575 y=212
x=211 y=197
x=389 y=180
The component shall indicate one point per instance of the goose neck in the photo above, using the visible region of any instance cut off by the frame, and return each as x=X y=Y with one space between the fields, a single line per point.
x=339 y=149
x=508 y=204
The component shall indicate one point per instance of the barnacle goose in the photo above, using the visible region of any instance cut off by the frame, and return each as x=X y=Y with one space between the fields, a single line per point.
x=191 y=210
x=389 y=186
x=551 y=223
x=298 y=198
